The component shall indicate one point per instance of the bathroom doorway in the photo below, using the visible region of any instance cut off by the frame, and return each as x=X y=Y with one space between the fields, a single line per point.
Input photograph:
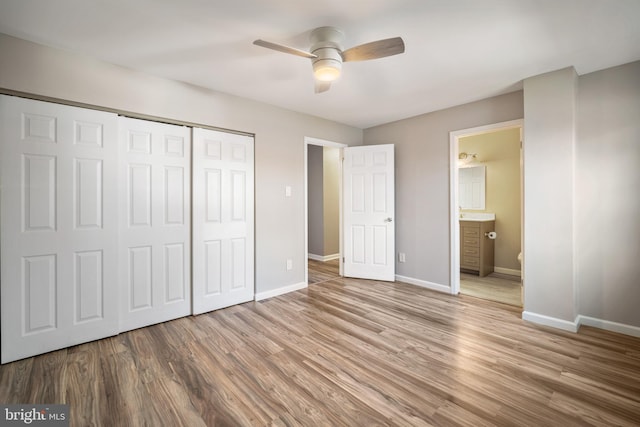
x=486 y=212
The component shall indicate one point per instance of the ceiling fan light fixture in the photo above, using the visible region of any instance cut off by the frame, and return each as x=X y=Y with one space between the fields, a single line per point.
x=327 y=65
x=327 y=70
x=327 y=56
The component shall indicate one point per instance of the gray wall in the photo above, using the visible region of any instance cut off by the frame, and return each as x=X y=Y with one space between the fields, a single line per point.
x=548 y=153
x=607 y=216
x=279 y=135
x=422 y=180
x=582 y=209
x=604 y=215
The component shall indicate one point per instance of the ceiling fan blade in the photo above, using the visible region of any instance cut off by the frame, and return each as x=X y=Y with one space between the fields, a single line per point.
x=322 y=86
x=285 y=49
x=374 y=50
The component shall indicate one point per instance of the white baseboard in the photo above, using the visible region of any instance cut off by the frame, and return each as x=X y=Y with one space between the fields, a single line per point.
x=280 y=291
x=607 y=325
x=565 y=325
x=323 y=258
x=508 y=271
x=424 y=284
x=541 y=319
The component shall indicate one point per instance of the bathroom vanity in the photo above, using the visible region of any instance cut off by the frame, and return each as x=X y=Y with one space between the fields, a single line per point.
x=476 y=248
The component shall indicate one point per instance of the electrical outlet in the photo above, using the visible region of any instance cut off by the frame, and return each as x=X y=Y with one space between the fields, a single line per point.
x=402 y=257
x=289 y=264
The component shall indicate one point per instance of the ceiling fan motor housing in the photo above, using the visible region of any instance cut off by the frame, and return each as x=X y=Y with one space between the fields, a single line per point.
x=326 y=37
x=326 y=44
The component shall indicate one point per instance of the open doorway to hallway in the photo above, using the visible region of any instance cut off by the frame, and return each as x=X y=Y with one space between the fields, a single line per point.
x=487 y=213
x=323 y=175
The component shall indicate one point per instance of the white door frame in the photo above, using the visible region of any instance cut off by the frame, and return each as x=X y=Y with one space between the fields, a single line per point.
x=454 y=227
x=324 y=143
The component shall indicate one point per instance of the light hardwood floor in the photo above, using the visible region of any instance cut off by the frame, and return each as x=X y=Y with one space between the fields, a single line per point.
x=343 y=352
x=322 y=271
x=494 y=287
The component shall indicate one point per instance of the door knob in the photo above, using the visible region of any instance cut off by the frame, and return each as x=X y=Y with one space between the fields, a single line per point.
x=388 y=220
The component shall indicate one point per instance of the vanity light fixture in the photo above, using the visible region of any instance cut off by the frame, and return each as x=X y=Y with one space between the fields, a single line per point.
x=465 y=158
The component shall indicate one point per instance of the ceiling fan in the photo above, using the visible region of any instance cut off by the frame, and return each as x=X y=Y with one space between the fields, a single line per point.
x=327 y=56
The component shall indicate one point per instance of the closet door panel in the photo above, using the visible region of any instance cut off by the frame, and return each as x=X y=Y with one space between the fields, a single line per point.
x=58 y=210
x=223 y=220
x=88 y=193
x=154 y=223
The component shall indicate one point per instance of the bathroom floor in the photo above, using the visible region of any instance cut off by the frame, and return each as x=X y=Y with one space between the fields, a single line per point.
x=495 y=287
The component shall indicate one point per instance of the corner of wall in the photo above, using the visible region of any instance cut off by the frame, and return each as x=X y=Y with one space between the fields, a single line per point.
x=280 y=291
x=424 y=284
x=543 y=320
x=607 y=325
x=549 y=198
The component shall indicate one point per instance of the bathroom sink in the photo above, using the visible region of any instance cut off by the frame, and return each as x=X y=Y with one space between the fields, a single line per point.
x=477 y=216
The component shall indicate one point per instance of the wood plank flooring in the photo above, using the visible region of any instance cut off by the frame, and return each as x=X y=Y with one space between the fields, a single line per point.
x=494 y=287
x=343 y=352
x=322 y=271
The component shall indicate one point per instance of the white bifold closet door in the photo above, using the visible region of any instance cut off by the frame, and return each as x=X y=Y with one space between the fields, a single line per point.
x=58 y=210
x=96 y=224
x=154 y=246
x=223 y=219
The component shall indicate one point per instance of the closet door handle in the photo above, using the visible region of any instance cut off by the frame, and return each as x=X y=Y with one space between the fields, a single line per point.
x=388 y=220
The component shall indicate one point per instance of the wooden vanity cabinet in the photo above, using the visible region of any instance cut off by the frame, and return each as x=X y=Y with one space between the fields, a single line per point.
x=476 y=249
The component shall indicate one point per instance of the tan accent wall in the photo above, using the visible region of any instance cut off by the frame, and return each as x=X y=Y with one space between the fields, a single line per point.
x=324 y=200
x=499 y=152
x=331 y=201
x=315 y=199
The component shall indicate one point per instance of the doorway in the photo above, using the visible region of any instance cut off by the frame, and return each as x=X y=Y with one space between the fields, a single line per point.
x=495 y=150
x=323 y=203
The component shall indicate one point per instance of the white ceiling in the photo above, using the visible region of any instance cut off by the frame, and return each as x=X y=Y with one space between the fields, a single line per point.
x=457 y=51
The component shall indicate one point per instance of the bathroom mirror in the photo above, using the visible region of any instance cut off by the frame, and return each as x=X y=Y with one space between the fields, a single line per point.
x=471 y=182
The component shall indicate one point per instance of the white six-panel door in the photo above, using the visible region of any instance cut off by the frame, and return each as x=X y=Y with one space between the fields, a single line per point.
x=223 y=220
x=155 y=245
x=369 y=228
x=58 y=210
